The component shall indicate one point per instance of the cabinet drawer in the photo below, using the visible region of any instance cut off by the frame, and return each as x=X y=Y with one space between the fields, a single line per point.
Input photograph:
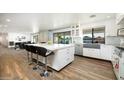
x=91 y=52
x=86 y=52
x=106 y=52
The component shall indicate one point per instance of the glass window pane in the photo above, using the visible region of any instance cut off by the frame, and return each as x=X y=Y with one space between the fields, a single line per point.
x=87 y=36
x=99 y=35
x=62 y=37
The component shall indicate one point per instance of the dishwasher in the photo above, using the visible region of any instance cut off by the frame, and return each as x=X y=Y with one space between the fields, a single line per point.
x=79 y=49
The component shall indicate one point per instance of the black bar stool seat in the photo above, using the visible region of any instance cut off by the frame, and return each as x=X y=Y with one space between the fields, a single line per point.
x=33 y=51
x=30 y=49
x=27 y=48
x=44 y=53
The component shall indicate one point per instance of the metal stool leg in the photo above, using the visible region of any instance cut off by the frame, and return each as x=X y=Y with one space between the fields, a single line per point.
x=31 y=59
x=45 y=73
x=28 y=56
x=36 y=66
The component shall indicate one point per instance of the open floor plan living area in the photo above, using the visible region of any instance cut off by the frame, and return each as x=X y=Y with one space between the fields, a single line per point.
x=61 y=46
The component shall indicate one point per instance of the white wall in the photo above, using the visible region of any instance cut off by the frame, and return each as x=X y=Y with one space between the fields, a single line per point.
x=4 y=39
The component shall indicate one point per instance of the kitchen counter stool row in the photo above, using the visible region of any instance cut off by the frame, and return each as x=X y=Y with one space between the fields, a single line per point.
x=39 y=51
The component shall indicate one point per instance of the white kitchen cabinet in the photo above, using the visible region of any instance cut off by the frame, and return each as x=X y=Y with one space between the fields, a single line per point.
x=61 y=58
x=120 y=18
x=43 y=36
x=118 y=63
x=86 y=52
x=91 y=52
x=106 y=52
x=121 y=68
x=76 y=33
x=76 y=30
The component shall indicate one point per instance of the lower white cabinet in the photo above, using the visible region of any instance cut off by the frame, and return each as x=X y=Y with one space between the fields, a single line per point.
x=121 y=68
x=61 y=58
x=118 y=63
x=90 y=52
x=106 y=51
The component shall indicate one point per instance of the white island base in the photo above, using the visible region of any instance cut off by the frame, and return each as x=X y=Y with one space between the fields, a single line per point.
x=63 y=55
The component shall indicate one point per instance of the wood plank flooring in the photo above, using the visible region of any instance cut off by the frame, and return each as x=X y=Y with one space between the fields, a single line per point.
x=14 y=66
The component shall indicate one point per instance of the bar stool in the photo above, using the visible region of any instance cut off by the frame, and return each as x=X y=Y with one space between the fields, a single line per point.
x=34 y=51
x=44 y=53
x=27 y=48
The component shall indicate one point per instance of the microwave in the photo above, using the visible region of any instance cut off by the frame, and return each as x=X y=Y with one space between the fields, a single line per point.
x=120 y=32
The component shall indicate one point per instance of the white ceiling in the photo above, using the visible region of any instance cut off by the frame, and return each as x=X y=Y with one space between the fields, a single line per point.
x=46 y=21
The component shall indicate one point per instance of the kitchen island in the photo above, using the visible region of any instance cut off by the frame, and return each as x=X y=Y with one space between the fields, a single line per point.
x=63 y=55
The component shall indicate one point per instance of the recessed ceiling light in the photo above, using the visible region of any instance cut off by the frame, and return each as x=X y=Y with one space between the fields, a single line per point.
x=8 y=20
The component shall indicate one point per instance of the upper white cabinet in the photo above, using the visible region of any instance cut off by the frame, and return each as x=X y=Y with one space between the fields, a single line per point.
x=120 y=18
x=76 y=30
x=76 y=33
x=43 y=36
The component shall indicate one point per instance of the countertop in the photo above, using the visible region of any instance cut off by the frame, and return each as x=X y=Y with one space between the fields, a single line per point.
x=117 y=45
x=53 y=47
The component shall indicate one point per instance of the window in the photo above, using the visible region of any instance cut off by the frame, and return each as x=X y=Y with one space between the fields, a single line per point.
x=87 y=36
x=99 y=35
x=62 y=37
x=94 y=35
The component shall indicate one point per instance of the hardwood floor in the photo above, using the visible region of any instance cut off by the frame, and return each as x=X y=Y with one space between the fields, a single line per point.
x=14 y=65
